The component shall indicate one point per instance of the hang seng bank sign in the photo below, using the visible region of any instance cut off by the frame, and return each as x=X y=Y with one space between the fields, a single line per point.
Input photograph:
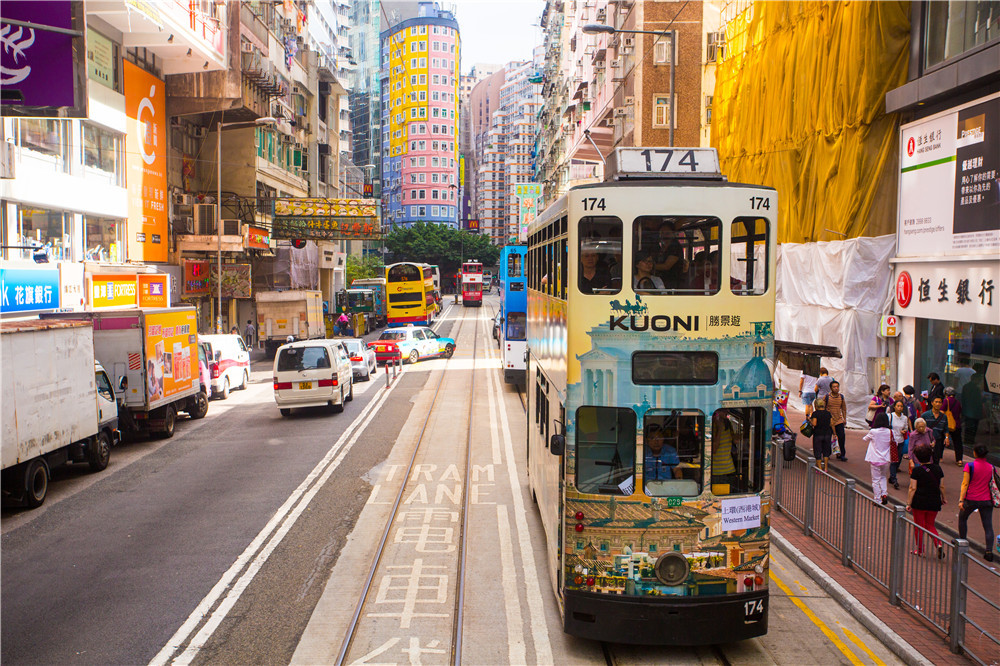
x=966 y=291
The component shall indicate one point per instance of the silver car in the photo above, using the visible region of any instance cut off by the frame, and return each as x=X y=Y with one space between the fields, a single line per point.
x=362 y=358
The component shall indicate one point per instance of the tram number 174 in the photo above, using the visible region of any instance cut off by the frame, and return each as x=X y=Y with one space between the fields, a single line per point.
x=753 y=610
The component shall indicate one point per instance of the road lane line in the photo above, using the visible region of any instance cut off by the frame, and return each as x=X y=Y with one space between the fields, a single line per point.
x=515 y=633
x=539 y=625
x=857 y=641
x=268 y=538
x=815 y=620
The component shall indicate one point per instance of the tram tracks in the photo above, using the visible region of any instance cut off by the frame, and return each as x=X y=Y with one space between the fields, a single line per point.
x=413 y=473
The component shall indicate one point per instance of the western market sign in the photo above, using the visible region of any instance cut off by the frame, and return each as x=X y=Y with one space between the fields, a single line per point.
x=326 y=219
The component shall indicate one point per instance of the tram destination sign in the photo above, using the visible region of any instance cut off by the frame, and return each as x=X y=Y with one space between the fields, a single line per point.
x=660 y=162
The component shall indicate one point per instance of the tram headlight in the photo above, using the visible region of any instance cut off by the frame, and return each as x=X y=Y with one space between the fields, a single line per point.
x=672 y=568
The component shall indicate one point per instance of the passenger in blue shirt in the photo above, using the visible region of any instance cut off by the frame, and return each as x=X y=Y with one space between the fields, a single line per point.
x=660 y=458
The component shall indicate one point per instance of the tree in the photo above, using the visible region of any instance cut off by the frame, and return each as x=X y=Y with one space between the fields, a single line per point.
x=359 y=268
x=440 y=245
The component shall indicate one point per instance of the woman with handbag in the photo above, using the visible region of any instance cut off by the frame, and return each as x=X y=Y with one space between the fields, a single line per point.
x=925 y=497
x=899 y=424
x=880 y=402
x=979 y=493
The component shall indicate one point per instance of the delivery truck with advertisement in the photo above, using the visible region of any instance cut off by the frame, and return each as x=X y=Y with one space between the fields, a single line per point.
x=152 y=355
x=297 y=313
x=58 y=405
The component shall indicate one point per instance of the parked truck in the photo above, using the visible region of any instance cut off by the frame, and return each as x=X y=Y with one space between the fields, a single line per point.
x=297 y=313
x=377 y=285
x=152 y=355
x=58 y=405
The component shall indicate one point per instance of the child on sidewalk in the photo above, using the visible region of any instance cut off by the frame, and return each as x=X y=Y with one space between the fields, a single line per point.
x=878 y=455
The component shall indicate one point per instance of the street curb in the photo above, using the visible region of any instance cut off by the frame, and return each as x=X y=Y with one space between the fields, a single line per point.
x=885 y=634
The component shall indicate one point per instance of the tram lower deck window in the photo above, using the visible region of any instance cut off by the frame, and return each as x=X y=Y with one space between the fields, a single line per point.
x=673 y=444
x=605 y=450
x=738 y=440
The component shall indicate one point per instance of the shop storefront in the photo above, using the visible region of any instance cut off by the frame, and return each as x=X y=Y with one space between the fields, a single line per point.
x=947 y=266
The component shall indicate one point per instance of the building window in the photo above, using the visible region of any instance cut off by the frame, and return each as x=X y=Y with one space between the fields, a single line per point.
x=104 y=239
x=102 y=153
x=50 y=229
x=716 y=46
x=45 y=137
x=661 y=111
x=661 y=51
x=434 y=194
x=421 y=210
x=952 y=28
x=435 y=211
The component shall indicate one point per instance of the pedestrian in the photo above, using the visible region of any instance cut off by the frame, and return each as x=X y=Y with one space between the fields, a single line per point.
x=879 y=402
x=910 y=400
x=836 y=404
x=250 y=333
x=807 y=391
x=342 y=321
x=937 y=422
x=937 y=388
x=972 y=407
x=878 y=455
x=823 y=384
x=975 y=496
x=925 y=498
x=822 y=433
x=900 y=425
x=953 y=413
x=234 y=331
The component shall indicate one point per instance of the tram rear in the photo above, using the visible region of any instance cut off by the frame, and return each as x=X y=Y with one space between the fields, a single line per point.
x=512 y=316
x=650 y=329
x=472 y=284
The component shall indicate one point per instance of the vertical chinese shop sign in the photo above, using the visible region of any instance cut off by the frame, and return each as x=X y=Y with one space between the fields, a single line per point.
x=146 y=162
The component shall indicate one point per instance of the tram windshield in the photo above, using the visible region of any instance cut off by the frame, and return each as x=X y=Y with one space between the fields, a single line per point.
x=514 y=265
x=600 y=255
x=738 y=450
x=676 y=254
x=672 y=444
x=605 y=450
x=516 y=325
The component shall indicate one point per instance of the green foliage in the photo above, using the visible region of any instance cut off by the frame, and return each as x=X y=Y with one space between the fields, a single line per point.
x=359 y=268
x=440 y=245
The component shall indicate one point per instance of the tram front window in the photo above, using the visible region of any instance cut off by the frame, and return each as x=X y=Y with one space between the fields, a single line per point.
x=672 y=453
x=605 y=450
x=676 y=254
x=516 y=325
x=600 y=267
x=738 y=450
x=748 y=267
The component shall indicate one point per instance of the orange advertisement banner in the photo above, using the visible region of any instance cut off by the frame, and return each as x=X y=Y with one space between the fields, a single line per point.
x=154 y=290
x=146 y=165
x=113 y=291
x=171 y=358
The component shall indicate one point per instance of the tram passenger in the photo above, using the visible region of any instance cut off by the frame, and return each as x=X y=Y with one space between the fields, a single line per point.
x=593 y=273
x=660 y=458
x=643 y=280
x=669 y=261
x=723 y=469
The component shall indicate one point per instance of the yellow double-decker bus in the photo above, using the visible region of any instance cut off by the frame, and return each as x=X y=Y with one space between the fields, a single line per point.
x=410 y=294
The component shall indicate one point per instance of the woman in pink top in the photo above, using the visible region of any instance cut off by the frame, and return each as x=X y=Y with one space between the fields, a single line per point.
x=975 y=496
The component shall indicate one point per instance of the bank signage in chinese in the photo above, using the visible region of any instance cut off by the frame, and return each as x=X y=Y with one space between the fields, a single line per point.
x=28 y=290
x=966 y=291
x=949 y=173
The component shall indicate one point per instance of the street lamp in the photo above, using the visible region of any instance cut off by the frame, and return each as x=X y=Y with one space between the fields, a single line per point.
x=601 y=29
x=266 y=120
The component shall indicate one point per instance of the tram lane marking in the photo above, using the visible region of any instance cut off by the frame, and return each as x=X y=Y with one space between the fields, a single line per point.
x=262 y=546
x=515 y=634
x=415 y=578
x=533 y=592
x=808 y=612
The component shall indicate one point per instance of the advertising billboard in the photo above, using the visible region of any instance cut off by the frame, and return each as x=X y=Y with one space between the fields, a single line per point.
x=146 y=165
x=153 y=290
x=949 y=182
x=171 y=357
x=527 y=207
x=113 y=291
x=195 y=277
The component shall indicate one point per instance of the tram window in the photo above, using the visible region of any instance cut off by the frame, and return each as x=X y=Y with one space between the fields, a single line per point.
x=748 y=262
x=605 y=450
x=738 y=450
x=677 y=254
x=672 y=453
x=514 y=265
x=563 y=266
x=675 y=368
x=600 y=269
x=516 y=325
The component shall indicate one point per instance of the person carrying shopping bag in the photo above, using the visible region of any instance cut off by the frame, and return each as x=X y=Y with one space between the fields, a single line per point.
x=899 y=423
x=976 y=495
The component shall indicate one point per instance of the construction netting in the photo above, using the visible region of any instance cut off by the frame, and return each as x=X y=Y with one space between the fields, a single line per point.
x=799 y=105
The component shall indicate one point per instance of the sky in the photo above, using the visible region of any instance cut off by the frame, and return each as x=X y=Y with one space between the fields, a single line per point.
x=497 y=32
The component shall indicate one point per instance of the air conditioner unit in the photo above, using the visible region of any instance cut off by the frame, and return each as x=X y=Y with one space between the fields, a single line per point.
x=629 y=100
x=246 y=47
x=182 y=199
x=628 y=41
x=204 y=219
x=200 y=132
x=616 y=63
x=186 y=223
x=619 y=112
x=625 y=50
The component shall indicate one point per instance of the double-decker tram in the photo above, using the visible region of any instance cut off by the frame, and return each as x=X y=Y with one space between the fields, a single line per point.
x=409 y=294
x=511 y=322
x=472 y=283
x=650 y=332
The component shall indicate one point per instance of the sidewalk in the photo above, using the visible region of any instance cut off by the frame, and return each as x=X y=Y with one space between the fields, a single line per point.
x=926 y=585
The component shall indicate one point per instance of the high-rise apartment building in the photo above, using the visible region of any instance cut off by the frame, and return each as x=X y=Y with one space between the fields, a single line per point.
x=420 y=117
x=467 y=142
x=364 y=18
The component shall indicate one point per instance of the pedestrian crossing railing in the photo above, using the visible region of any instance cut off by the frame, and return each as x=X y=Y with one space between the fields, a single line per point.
x=942 y=581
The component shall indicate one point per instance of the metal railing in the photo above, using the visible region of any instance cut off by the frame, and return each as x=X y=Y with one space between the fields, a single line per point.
x=941 y=581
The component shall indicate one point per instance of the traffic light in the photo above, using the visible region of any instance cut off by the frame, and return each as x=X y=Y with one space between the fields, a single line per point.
x=298 y=243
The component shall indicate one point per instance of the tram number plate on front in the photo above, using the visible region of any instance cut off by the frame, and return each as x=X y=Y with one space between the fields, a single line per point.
x=753 y=611
x=675 y=161
x=674 y=501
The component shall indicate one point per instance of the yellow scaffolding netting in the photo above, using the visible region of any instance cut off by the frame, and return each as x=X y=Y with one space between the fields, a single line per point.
x=800 y=105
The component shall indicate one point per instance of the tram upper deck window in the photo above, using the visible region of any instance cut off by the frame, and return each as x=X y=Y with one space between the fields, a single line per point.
x=748 y=264
x=672 y=444
x=738 y=450
x=600 y=269
x=676 y=254
x=514 y=265
x=605 y=450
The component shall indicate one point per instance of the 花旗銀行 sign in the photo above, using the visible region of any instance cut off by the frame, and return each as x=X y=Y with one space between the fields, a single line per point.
x=28 y=290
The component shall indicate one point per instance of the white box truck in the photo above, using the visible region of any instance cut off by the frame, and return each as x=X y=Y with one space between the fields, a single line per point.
x=58 y=404
x=155 y=351
x=297 y=313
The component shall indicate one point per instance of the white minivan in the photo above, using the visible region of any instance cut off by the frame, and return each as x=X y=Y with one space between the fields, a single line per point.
x=230 y=359
x=312 y=373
